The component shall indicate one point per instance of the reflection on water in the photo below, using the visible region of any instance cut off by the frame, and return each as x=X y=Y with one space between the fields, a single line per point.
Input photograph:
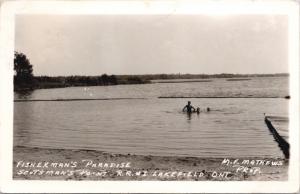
x=192 y=115
x=233 y=128
x=23 y=94
x=189 y=116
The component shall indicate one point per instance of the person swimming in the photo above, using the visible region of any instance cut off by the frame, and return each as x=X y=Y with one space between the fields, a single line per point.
x=189 y=108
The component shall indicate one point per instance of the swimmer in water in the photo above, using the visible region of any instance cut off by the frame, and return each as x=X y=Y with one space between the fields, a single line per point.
x=189 y=108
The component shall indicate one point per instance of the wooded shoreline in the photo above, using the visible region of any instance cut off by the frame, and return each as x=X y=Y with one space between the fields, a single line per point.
x=44 y=82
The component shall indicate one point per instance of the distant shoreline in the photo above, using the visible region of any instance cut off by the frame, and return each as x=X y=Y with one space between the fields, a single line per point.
x=47 y=82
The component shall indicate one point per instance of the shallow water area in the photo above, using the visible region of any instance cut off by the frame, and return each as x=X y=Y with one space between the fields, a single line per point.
x=154 y=126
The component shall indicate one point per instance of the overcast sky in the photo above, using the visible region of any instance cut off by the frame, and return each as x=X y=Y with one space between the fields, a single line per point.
x=124 y=44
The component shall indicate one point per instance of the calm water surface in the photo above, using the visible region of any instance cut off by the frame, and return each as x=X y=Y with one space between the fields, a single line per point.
x=234 y=128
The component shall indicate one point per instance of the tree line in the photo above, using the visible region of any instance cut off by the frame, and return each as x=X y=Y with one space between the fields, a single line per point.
x=24 y=78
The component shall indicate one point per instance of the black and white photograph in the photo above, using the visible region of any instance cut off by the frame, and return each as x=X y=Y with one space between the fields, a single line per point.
x=201 y=97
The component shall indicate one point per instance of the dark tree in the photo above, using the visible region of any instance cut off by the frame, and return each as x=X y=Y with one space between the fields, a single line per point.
x=113 y=80
x=105 y=79
x=23 y=69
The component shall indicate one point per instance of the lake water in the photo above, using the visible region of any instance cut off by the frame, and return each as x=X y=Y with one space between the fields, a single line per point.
x=150 y=125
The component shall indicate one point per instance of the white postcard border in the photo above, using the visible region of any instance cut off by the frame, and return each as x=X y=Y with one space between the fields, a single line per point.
x=7 y=23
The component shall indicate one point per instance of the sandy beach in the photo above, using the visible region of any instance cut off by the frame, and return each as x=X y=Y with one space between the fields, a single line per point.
x=64 y=164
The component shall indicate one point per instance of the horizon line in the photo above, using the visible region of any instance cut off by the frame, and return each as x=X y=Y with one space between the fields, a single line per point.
x=206 y=74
